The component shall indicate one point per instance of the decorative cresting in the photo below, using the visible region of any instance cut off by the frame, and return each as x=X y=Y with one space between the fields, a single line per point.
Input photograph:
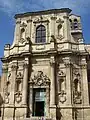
x=77 y=87
x=62 y=86
x=18 y=94
x=40 y=79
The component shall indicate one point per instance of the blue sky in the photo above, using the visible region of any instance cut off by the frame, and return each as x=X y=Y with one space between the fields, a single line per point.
x=8 y=8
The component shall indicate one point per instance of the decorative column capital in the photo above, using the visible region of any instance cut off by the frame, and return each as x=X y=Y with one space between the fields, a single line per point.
x=52 y=61
x=14 y=67
x=4 y=69
x=84 y=66
x=53 y=18
x=18 y=22
x=25 y=65
x=67 y=65
x=65 y=17
x=29 y=20
x=67 y=61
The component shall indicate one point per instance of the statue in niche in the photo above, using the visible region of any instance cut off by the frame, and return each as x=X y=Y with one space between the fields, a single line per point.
x=7 y=92
x=22 y=35
x=62 y=87
x=77 y=88
x=18 y=94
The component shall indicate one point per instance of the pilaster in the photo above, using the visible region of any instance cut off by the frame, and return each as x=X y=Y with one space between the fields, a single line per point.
x=17 y=32
x=13 y=75
x=52 y=90
x=25 y=85
x=53 y=18
x=84 y=85
x=29 y=27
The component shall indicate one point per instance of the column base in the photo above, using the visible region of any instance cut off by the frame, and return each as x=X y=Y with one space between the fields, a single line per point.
x=24 y=105
x=53 y=112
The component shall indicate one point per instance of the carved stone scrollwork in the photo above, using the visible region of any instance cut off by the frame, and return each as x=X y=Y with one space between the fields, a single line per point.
x=77 y=97
x=40 y=79
x=84 y=66
x=62 y=96
x=19 y=76
x=60 y=37
x=22 y=40
x=18 y=96
x=61 y=73
x=23 y=24
x=60 y=21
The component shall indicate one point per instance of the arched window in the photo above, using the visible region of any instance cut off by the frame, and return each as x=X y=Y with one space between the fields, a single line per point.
x=40 y=34
x=75 y=23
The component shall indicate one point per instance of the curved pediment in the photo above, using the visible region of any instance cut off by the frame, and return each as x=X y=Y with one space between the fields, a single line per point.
x=40 y=79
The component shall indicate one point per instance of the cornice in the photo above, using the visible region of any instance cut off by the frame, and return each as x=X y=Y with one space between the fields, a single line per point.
x=15 y=56
x=42 y=12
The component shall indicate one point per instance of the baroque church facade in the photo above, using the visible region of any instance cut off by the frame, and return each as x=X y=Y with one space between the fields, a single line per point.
x=45 y=72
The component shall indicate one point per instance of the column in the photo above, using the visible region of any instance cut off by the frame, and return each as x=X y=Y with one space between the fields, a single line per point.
x=84 y=85
x=13 y=75
x=25 y=85
x=52 y=90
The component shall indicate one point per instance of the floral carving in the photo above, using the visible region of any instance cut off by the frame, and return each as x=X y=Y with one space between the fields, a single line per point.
x=62 y=96
x=40 y=79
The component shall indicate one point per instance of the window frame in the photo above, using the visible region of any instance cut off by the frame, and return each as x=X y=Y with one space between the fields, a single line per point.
x=40 y=34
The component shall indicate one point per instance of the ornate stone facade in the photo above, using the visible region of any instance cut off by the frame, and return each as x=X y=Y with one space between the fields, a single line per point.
x=45 y=72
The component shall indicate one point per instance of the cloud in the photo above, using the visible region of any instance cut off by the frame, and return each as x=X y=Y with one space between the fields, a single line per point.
x=16 y=6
